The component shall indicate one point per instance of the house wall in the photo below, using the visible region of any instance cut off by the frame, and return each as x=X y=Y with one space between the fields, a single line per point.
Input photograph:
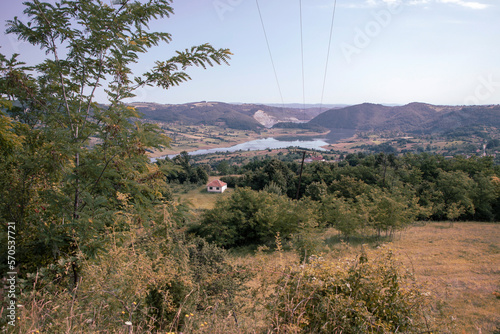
x=215 y=190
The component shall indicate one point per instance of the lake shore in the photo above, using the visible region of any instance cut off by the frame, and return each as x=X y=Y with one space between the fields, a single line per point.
x=196 y=144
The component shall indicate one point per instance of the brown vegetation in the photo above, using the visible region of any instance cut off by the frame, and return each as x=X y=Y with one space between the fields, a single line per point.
x=457 y=268
x=460 y=267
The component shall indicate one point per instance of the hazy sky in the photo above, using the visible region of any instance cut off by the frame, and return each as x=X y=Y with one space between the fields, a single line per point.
x=382 y=51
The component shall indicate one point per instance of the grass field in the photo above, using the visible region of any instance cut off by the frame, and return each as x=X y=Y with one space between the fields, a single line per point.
x=457 y=267
x=197 y=196
x=460 y=267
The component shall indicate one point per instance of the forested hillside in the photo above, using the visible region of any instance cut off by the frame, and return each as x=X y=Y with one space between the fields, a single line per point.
x=418 y=118
x=413 y=117
x=234 y=116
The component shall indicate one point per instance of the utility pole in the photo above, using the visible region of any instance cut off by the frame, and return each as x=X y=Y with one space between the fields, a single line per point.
x=300 y=175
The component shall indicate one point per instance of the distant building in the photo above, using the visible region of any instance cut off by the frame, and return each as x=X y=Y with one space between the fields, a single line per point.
x=216 y=186
x=318 y=158
x=314 y=158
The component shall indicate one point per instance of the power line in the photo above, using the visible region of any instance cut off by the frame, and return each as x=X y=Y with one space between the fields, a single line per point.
x=302 y=58
x=328 y=55
x=302 y=55
x=270 y=54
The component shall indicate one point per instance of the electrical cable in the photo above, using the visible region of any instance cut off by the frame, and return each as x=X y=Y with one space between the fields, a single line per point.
x=270 y=54
x=302 y=58
x=328 y=56
x=302 y=55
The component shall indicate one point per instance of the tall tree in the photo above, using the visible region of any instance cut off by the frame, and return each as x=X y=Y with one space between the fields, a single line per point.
x=82 y=159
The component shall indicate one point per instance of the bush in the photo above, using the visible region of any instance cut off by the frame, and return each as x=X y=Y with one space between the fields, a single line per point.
x=372 y=294
x=157 y=282
x=251 y=217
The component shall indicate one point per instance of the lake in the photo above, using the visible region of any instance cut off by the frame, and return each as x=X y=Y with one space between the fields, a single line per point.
x=277 y=143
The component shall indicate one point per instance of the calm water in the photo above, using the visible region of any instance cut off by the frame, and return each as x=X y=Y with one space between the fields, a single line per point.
x=276 y=143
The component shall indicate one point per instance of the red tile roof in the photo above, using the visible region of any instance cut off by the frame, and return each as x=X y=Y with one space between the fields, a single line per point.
x=217 y=183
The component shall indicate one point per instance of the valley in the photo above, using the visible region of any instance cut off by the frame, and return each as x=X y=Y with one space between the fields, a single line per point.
x=195 y=137
x=368 y=128
x=453 y=264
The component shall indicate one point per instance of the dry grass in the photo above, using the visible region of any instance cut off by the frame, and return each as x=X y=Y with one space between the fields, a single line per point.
x=265 y=269
x=457 y=265
x=460 y=265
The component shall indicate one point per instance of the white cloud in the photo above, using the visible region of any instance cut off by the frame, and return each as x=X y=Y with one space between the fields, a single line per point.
x=467 y=4
x=418 y=2
x=376 y=3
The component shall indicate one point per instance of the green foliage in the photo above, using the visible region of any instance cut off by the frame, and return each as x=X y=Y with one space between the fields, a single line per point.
x=71 y=164
x=376 y=210
x=275 y=171
x=459 y=188
x=232 y=181
x=223 y=167
x=372 y=294
x=180 y=170
x=219 y=282
x=343 y=214
x=492 y=144
x=348 y=187
x=316 y=190
x=249 y=217
x=96 y=233
x=149 y=276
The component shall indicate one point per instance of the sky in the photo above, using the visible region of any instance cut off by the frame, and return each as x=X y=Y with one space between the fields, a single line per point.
x=443 y=52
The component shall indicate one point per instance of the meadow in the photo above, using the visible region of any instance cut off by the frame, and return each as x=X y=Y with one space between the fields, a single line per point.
x=457 y=265
x=454 y=266
x=457 y=268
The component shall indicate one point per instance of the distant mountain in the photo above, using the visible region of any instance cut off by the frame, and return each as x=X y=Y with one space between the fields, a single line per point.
x=236 y=116
x=413 y=117
x=318 y=106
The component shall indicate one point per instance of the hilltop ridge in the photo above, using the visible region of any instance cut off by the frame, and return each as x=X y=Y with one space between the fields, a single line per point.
x=235 y=116
x=413 y=117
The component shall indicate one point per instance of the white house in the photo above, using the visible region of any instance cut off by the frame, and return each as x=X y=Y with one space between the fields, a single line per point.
x=216 y=186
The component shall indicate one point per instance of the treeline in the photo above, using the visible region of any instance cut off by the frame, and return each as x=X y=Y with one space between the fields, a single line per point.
x=179 y=169
x=361 y=195
x=458 y=188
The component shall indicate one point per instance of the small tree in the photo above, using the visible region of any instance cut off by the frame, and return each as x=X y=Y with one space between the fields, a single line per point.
x=223 y=167
x=250 y=217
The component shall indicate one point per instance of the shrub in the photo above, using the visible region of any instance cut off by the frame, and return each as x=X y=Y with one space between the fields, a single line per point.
x=150 y=280
x=372 y=294
x=249 y=217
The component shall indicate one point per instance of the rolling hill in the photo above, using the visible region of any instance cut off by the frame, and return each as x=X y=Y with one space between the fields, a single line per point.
x=236 y=116
x=413 y=117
